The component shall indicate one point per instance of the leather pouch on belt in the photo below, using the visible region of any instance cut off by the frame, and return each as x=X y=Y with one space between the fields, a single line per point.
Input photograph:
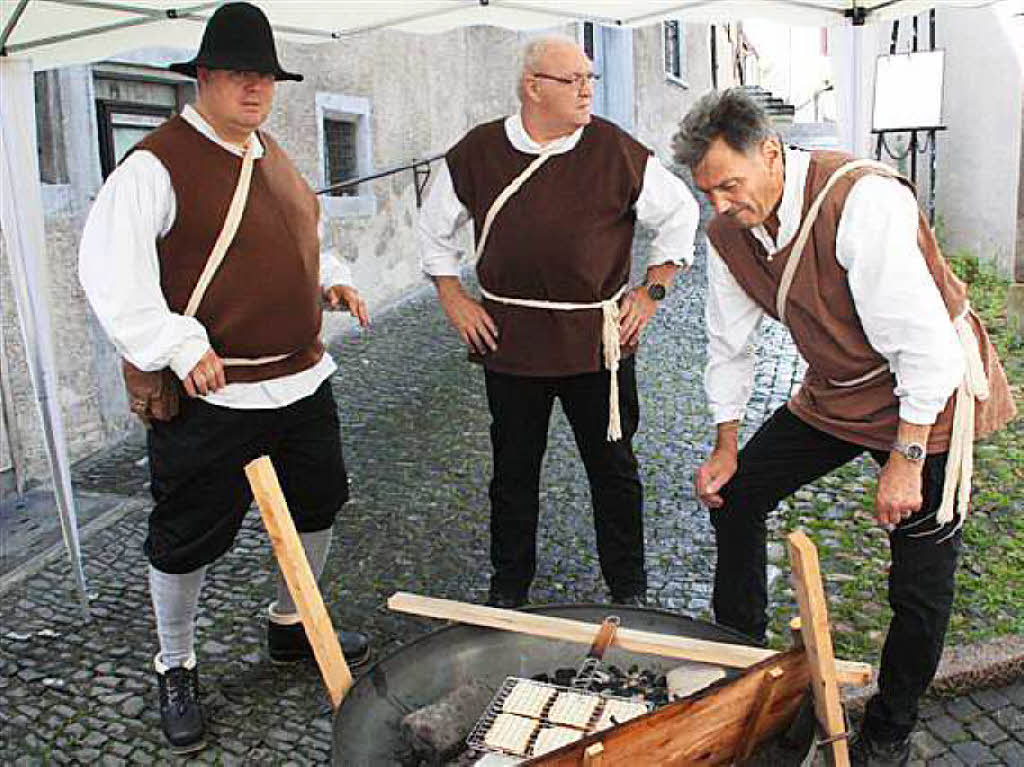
x=152 y=395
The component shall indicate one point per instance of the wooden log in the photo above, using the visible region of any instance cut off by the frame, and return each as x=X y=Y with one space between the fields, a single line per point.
x=291 y=557
x=705 y=729
x=684 y=648
x=810 y=595
x=758 y=708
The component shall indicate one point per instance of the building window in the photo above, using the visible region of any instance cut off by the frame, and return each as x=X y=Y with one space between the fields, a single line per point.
x=674 y=39
x=344 y=135
x=132 y=100
x=121 y=126
x=588 y=39
x=340 y=160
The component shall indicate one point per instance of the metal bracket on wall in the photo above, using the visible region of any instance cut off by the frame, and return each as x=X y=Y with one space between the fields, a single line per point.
x=421 y=175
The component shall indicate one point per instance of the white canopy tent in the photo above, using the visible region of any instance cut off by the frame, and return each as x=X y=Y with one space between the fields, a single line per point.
x=43 y=34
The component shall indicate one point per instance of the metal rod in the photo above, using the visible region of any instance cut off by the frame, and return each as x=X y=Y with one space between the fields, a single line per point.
x=379 y=174
x=895 y=37
x=462 y=5
x=11 y=24
x=931 y=29
x=606 y=20
x=159 y=13
x=714 y=58
x=931 y=180
x=913 y=157
x=913 y=44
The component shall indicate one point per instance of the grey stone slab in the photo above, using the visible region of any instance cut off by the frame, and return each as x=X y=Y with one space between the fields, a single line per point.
x=974 y=753
x=990 y=700
x=987 y=731
x=947 y=729
x=927 y=746
x=1011 y=752
x=963 y=709
x=1010 y=718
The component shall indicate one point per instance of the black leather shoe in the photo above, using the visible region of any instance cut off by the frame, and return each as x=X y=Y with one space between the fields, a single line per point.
x=868 y=752
x=505 y=600
x=289 y=644
x=181 y=715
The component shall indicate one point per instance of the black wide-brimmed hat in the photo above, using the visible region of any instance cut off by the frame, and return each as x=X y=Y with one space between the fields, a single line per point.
x=238 y=37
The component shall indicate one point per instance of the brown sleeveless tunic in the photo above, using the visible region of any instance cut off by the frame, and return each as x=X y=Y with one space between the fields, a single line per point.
x=823 y=320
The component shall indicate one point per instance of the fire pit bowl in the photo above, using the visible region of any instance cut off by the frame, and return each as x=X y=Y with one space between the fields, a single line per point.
x=367 y=724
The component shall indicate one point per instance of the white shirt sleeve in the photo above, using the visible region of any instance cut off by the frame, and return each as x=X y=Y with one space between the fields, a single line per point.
x=732 y=319
x=441 y=217
x=666 y=205
x=119 y=268
x=899 y=305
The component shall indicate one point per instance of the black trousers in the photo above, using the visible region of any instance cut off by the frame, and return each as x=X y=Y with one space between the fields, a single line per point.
x=198 y=482
x=520 y=411
x=781 y=457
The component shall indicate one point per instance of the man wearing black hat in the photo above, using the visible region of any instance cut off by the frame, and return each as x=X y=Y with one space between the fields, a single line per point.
x=201 y=256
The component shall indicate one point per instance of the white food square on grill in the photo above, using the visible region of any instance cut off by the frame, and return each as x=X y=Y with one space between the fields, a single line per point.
x=551 y=738
x=527 y=699
x=511 y=733
x=573 y=708
x=620 y=711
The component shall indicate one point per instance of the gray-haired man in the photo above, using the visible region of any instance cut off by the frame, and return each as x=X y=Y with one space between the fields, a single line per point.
x=557 y=306
x=840 y=253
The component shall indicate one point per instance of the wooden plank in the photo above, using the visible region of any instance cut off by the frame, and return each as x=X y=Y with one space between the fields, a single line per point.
x=297 y=574
x=704 y=729
x=594 y=756
x=702 y=651
x=810 y=595
x=758 y=708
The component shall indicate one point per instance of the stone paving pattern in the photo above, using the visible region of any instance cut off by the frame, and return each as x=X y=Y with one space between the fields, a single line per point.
x=415 y=429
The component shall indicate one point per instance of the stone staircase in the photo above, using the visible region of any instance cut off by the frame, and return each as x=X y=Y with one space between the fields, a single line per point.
x=803 y=135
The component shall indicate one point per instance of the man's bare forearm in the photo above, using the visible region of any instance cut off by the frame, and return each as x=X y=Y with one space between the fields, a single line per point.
x=727 y=439
x=447 y=285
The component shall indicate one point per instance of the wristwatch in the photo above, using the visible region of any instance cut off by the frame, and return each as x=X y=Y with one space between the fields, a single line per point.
x=655 y=290
x=912 y=451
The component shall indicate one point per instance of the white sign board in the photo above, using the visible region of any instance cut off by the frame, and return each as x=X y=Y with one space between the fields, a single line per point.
x=908 y=91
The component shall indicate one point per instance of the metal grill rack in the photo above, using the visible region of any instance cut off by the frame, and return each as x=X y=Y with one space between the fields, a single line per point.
x=476 y=738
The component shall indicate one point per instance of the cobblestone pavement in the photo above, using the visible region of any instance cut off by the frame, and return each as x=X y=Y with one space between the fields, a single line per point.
x=415 y=429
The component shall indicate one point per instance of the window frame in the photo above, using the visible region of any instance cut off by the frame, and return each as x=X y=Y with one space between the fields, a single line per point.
x=682 y=79
x=355 y=109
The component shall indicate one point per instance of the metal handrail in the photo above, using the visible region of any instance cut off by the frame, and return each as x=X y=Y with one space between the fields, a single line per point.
x=420 y=169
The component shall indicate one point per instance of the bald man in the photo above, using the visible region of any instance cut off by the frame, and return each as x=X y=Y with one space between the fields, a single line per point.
x=554 y=194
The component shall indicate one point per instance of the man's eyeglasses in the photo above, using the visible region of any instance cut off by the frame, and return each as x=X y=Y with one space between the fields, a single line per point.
x=576 y=80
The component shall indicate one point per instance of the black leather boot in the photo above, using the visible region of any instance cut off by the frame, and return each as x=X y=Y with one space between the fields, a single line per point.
x=289 y=644
x=181 y=715
x=865 y=751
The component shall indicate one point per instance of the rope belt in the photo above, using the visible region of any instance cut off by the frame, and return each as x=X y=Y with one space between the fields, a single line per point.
x=609 y=340
x=960 y=461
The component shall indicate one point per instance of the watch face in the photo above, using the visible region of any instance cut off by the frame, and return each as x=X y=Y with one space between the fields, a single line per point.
x=656 y=291
x=915 y=452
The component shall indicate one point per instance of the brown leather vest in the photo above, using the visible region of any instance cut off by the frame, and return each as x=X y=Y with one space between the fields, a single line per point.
x=565 y=236
x=823 y=320
x=265 y=298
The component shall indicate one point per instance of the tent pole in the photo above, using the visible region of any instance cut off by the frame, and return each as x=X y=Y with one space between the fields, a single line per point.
x=21 y=218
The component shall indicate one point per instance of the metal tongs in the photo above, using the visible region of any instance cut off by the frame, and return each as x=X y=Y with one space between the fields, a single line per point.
x=588 y=669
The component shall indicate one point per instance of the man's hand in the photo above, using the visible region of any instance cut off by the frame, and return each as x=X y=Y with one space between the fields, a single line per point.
x=635 y=312
x=712 y=476
x=720 y=467
x=899 y=490
x=207 y=376
x=469 y=318
x=338 y=296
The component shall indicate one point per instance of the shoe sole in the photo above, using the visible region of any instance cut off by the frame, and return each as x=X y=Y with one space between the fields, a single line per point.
x=352 y=663
x=189 y=749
